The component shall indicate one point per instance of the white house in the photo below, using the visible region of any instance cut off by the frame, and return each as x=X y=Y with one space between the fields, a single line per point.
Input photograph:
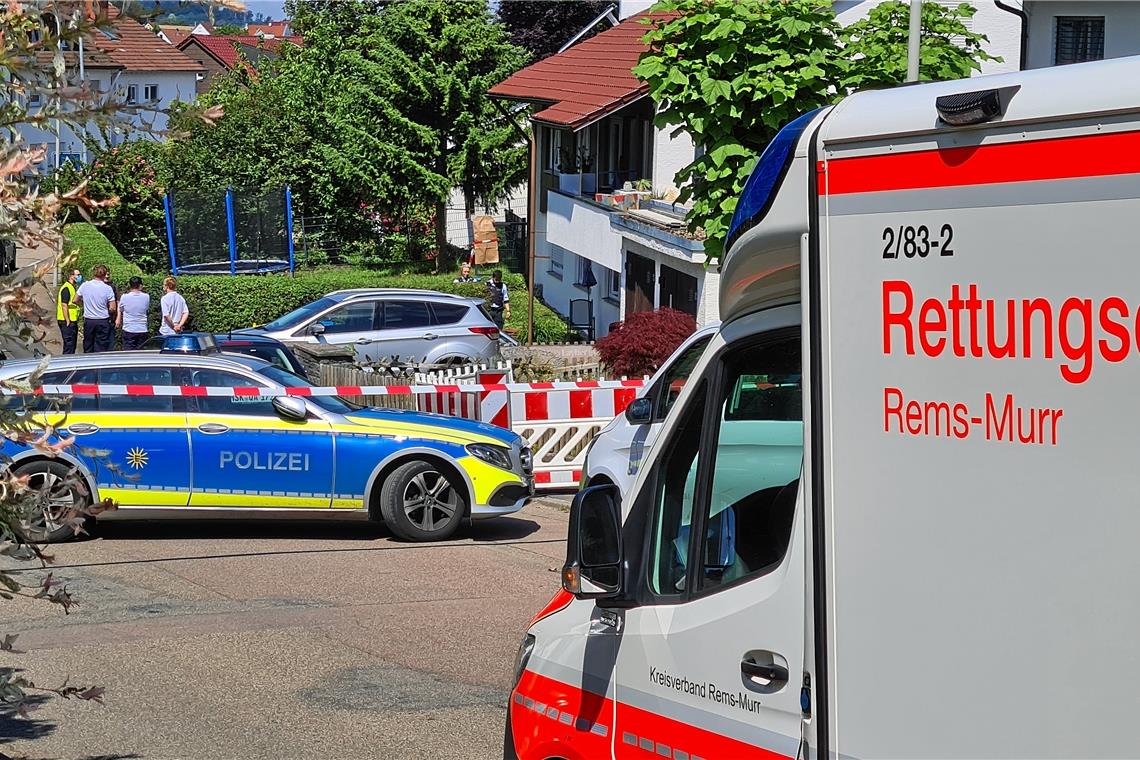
x=128 y=62
x=593 y=125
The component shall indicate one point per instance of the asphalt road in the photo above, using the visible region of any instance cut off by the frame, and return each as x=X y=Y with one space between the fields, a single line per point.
x=306 y=640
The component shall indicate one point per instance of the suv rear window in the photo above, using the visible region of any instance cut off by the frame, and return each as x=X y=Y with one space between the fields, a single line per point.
x=448 y=313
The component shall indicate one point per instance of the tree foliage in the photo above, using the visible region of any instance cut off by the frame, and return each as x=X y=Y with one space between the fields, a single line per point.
x=542 y=28
x=730 y=74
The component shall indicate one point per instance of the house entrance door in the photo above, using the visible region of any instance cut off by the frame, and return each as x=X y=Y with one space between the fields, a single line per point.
x=678 y=291
x=639 y=273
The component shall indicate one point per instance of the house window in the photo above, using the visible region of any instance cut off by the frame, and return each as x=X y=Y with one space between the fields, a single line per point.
x=150 y=93
x=1078 y=38
x=613 y=285
x=34 y=99
x=132 y=94
x=587 y=276
x=556 y=262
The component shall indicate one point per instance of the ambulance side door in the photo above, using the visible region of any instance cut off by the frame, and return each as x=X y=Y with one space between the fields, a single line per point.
x=711 y=659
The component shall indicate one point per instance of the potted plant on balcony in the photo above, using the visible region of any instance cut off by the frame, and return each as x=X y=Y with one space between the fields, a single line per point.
x=586 y=166
x=569 y=172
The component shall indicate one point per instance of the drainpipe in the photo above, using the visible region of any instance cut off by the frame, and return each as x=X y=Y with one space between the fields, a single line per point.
x=1020 y=13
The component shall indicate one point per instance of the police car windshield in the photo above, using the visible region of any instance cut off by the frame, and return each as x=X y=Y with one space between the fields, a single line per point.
x=299 y=315
x=334 y=404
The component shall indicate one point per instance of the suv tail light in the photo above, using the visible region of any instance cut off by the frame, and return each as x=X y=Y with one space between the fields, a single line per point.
x=491 y=332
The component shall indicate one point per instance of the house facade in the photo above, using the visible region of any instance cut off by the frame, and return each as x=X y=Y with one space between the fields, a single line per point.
x=604 y=175
x=217 y=53
x=127 y=62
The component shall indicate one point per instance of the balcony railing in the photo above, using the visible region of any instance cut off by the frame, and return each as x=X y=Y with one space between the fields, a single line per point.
x=588 y=184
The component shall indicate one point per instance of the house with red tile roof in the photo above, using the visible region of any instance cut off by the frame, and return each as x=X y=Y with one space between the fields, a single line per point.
x=600 y=161
x=218 y=54
x=272 y=29
x=128 y=61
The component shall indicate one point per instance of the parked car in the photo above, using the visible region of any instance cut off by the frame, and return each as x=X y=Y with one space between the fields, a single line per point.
x=262 y=346
x=617 y=451
x=435 y=328
x=283 y=456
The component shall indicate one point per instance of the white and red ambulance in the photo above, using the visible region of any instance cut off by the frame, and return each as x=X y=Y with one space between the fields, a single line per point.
x=895 y=510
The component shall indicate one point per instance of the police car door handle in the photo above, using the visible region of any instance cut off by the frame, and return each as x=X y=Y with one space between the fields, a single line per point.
x=213 y=428
x=363 y=341
x=82 y=428
x=430 y=336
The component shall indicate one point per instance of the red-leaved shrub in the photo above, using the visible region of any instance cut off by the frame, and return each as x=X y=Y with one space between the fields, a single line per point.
x=642 y=343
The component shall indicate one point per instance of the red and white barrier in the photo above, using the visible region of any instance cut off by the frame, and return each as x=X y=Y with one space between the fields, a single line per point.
x=558 y=419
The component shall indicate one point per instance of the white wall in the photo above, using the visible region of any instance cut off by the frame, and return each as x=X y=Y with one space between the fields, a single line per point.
x=627 y=8
x=583 y=228
x=172 y=85
x=670 y=155
x=1121 y=27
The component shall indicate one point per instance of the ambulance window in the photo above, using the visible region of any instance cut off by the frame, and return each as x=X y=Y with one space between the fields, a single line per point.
x=755 y=464
x=669 y=554
x=214 y=378
x=674 y=378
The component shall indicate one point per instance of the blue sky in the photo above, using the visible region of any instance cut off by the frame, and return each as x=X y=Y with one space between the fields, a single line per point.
x=272 y=8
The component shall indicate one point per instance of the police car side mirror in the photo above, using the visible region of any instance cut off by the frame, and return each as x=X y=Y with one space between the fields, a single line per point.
x=290 y=408
x=639 y=411
x=593 y=568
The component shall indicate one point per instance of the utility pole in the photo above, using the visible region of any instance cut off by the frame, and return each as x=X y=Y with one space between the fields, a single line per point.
x=913 y=46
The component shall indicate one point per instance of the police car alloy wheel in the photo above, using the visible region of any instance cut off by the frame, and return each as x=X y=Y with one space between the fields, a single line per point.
x=420 y=503
x=57 y=500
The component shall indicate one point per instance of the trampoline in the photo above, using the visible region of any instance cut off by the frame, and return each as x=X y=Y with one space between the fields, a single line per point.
x=236 y=232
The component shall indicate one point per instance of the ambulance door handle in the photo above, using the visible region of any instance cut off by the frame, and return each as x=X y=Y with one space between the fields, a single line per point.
x=764 y=672
x=430 y=336
x=82 y=428
x=213 y=428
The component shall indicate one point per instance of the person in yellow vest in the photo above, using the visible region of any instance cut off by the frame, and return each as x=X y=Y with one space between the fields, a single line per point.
x=67 y=311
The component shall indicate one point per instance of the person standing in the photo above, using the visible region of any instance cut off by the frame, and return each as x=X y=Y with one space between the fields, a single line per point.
x=465 y=274
x=133 y=309
x=98 y=301
x=67 y=311
x=175 y=312
x=498 y=299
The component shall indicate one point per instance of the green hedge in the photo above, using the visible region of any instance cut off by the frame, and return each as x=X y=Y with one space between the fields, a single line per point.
x=94 y=248
x=220 y=302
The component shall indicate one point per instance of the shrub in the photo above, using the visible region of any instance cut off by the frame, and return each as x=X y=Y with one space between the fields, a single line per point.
x=642 y=343
x=94 y=248
x=219 y=303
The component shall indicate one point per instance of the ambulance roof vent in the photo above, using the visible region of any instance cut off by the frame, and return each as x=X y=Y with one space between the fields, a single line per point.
x=965 y=108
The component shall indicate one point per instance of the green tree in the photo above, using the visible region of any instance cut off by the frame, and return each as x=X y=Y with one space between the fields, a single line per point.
x=543 y=28
x=876 y=47
x=731 y=74
x=435 y=61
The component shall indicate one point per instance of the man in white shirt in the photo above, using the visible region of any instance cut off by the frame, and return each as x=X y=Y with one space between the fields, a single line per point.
x=98 y=301
x=175 y=312
x=133 y=309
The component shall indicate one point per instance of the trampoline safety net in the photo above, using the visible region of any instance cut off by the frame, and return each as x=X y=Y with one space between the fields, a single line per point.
x=203 y=243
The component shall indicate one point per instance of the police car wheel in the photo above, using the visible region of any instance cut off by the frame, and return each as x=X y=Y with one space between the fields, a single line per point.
x=57 y=501
x=420 y=503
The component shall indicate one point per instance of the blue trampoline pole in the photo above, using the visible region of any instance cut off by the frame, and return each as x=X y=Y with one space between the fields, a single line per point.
x=230 y=227
x=168 y=208
x=289 y=223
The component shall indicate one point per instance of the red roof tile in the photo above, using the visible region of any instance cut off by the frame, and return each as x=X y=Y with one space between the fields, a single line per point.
x=139 y=49
x=277 y=28
x=175 y=35
x=223 y=49
x=586 y=82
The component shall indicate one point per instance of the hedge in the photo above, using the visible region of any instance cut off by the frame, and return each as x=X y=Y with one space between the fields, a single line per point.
x=94 y=248
x=219 y=303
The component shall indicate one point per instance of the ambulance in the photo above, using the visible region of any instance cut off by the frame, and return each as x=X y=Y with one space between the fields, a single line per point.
x=895 y=510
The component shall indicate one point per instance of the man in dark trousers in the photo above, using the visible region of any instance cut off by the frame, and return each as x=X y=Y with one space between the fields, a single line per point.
x=498 y=299
x=98 y=301
x=67 y=311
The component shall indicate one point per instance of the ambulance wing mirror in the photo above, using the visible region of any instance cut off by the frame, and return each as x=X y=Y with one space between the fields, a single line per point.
x=290 y=408
x=593 y=546
x=639 y=411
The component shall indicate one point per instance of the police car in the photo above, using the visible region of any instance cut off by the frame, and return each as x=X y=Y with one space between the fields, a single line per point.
x=223 y=455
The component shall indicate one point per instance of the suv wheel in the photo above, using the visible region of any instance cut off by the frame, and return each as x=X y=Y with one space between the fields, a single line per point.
x=420 y=503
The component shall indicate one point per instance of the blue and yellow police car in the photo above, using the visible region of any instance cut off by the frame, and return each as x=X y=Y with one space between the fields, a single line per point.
x=222 y=455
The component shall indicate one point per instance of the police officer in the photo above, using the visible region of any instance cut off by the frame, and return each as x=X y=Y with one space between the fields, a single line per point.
x=498 y=299
x=67 y=311
x=98 y=300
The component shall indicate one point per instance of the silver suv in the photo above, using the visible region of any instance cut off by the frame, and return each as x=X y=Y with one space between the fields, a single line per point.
x=437 y=328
